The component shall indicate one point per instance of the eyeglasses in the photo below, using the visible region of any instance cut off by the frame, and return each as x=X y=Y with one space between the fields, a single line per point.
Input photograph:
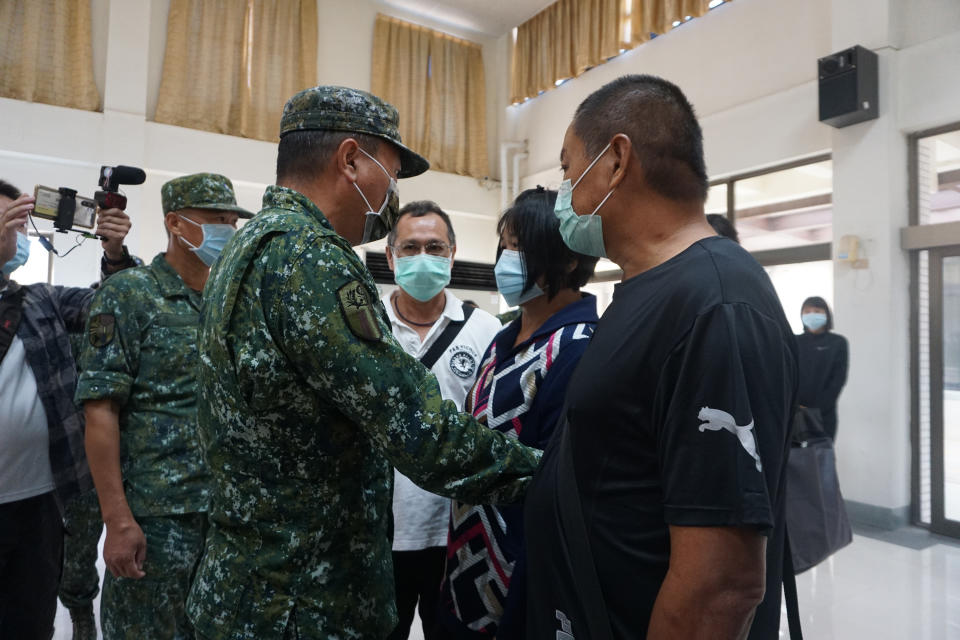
x=433 y=248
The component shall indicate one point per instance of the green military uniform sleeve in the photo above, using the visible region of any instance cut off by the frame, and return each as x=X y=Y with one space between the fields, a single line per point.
x=111 y=344
x=348 y=354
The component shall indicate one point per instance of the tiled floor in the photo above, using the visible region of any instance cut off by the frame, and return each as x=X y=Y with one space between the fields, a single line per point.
x=876 y=589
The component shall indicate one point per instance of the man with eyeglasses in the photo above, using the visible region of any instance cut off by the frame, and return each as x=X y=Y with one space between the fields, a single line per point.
x=448 y=337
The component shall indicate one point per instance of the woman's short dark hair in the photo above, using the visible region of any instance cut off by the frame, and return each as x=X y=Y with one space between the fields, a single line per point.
x=532 y=220
x=723 y=226
x=819 y=303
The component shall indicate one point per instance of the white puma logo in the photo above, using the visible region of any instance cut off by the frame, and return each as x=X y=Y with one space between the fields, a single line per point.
x=715 y=420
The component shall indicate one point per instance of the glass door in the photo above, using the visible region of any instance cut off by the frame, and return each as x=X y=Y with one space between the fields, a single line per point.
x=944 y=449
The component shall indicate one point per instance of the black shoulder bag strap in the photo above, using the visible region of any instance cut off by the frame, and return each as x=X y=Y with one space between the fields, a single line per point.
x=579 y=552
x=445 y=339
x=790 y=590
x=11 y=307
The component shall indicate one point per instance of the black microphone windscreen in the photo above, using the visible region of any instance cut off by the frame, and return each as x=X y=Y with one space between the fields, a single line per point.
x=127 y=175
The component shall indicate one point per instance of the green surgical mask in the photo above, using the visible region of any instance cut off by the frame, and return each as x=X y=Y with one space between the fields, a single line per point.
x=422 y=276
x=583 y=234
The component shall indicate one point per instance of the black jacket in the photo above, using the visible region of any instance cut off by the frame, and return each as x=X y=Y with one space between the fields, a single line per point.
x=823 y=372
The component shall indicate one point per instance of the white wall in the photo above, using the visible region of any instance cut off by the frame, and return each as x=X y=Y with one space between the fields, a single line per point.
x=42 y=144
x=759 y=55
x=749 y=68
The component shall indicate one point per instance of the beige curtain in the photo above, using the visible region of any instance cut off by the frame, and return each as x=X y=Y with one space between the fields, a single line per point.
x=46 y=53
x=230 y=65
x=437 y=83
x=570 y=36
x=658 y=16
x=400 y=75
x=563 y=41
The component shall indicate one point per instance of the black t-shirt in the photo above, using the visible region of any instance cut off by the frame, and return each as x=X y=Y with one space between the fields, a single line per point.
x=678 y=414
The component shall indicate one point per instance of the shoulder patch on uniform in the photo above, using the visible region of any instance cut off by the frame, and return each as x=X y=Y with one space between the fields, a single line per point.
x=101 y=329
x=358 y=311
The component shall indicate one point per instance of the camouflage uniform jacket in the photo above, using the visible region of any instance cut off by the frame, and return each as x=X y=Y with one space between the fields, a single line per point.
x=306 y=400
x=142 y=352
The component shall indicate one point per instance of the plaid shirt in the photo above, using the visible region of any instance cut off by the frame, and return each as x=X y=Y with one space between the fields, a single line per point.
x=49 y=315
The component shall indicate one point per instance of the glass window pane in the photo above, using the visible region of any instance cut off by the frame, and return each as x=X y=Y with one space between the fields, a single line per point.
x=717 y=199
x=951 y=388
x=788 y=208
x=938 y=165
x=37 y=268
x=797 y=282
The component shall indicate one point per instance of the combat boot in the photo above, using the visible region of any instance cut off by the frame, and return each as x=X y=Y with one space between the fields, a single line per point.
x=84 y=626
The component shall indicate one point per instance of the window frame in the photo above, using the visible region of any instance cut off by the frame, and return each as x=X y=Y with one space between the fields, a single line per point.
x=788 y=255
x=914 y=239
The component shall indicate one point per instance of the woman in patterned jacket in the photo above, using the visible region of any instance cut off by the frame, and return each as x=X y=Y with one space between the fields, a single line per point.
x=519 y=391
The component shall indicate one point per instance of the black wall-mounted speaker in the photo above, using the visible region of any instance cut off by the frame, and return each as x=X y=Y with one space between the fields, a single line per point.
x=848 y=87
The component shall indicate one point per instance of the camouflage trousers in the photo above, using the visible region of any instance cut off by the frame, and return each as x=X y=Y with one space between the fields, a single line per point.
x=152 y=608
x=80 y=583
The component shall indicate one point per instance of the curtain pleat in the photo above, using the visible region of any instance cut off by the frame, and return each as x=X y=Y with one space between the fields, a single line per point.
x=46 y=53
x=437 y=84
x=563 y=41
x=657 y=16
x=230 y=65
x=399 y=74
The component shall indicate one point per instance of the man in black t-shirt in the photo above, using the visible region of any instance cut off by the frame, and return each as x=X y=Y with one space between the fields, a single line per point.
x=660 y=500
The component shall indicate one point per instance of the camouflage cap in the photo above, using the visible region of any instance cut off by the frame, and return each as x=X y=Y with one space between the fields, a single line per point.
x=201 y=191
x=329 y=108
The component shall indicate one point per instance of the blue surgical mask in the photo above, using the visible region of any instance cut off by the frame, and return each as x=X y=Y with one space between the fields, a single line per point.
x=814 y=321
x=422 y=276
x=511 y=274
x=20 y=258
x=215 y=237
x=583 y=234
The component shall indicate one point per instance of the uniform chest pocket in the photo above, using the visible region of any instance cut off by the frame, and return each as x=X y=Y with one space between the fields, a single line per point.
x=171 y=341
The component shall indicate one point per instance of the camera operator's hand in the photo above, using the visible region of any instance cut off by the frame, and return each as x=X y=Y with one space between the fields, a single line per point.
x=13 y=218
x=113 y=225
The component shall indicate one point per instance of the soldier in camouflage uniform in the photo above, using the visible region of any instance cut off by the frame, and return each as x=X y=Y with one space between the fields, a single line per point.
x=138 y=386
x=307 y=401
x=82 y=525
